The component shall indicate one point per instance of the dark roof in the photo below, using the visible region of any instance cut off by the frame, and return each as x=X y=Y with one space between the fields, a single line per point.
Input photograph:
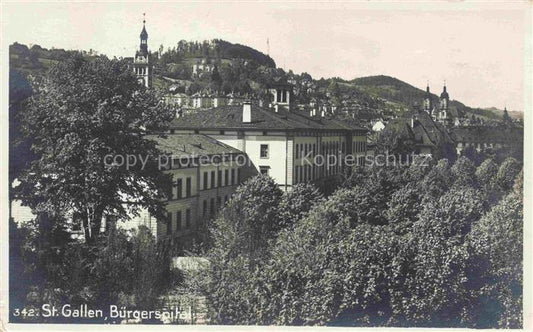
x=425 y=131
x=185 y=145
x=230 y=117
x=486 y=134
x=144 y=34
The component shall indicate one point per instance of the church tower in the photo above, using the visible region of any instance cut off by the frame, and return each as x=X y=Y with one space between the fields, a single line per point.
x=444 y=102
x=142 y=66
x=427 y=100
x=444 y=99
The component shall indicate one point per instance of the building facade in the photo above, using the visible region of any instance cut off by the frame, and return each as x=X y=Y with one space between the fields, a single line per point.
x=205 y=173
x=290 y=146
x=441 y=111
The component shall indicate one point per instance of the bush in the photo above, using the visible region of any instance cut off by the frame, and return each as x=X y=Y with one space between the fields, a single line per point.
x=118 y=268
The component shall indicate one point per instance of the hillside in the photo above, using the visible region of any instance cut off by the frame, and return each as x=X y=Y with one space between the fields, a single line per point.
x=218 y=65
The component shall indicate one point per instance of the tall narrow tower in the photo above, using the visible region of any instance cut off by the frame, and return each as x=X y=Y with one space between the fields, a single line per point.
x=427 y=100
x=444 y=117
x=444 y=99
x=141 y=64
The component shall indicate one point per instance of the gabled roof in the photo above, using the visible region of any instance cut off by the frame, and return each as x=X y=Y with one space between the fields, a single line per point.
x=230 y=117
x=425 y=131
x=186 y=145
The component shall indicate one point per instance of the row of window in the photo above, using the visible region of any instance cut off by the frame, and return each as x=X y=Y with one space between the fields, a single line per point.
x=177 y=192
x=307 y=173
x=359 y=146
x=209 y=211
x=141 y=70
x=328 y=148
x=214 y=179
x=175 y=225
x=281 y=96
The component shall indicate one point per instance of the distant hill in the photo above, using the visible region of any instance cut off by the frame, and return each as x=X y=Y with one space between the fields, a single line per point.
x=393 y=89
x=37 y=60
x=499 y=112
x=243 y=69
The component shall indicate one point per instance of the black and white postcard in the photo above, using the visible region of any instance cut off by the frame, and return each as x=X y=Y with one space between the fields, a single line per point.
x=265 y=165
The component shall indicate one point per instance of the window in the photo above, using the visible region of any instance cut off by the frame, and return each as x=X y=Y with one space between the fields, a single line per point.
x=264 y=151
x=226 y=177
x=169 y=223
x=233 y=176
x=179 y=184
x=219 y=202
x=212 y=210
x=178 y=220
x=188 y=218
x=212 y=179
x=296 y=174
x=219 y=178
x=205 y=180
x=297 y=151
x=225 y=199
x=188 y=187
x=205 y=207
x=238 y=175
x=264 y=170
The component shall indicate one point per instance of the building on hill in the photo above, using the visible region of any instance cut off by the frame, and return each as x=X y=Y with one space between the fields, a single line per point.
x=484 y=138
x=281 y=144
x=420 y=132
x=142 y=66
x=441 y=111
x=205 y=173
x=202 y=67
x=281 y=96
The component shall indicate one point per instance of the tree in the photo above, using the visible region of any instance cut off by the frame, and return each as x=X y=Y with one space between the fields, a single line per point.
x=241 y=234
x=82 y=113
x=215 y=80
x=497 y=241
x=437 y=181
x=463 y=172
x=505 y=117
x=296 y=203
x=404 y=207
x=486 y=173
x=507 y=173
x=250 y=218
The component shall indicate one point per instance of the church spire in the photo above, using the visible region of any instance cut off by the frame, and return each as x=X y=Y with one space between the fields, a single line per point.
x=144 y=37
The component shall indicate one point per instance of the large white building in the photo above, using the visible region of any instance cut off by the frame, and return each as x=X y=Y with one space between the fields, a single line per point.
x=287 y=145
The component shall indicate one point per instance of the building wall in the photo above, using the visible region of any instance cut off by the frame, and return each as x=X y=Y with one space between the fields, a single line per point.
x=175 y=228
x=286 y=160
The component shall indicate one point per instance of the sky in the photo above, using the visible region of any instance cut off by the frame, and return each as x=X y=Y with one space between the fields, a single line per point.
x=481 y=50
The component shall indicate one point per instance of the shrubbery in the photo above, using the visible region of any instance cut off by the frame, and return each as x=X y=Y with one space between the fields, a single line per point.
x=119 y=268
x=395 y=247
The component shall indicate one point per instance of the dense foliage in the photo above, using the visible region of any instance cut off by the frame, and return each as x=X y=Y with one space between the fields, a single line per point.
x=120 y=268
x=393 y=247
x=80 y=113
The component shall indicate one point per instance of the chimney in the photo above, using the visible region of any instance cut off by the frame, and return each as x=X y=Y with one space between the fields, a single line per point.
x=247 y=112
